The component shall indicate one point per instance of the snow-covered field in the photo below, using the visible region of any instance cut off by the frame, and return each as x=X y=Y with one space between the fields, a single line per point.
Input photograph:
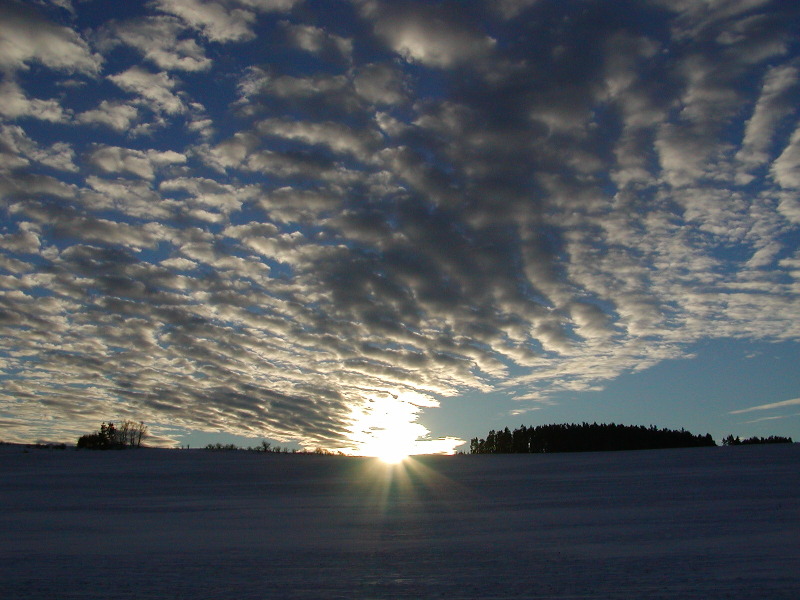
x=692 y=524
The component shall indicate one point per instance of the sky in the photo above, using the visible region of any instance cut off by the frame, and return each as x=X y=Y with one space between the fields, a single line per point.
x=370 y=224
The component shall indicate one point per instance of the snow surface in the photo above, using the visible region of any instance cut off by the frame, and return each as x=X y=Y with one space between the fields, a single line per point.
x=691 y=524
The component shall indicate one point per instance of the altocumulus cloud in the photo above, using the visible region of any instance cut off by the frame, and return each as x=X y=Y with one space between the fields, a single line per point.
x=283 y=218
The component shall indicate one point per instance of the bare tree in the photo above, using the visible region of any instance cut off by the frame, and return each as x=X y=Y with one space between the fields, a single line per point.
x=128 y=434
x=123 y=433
x=132 y=433
x=141 y=433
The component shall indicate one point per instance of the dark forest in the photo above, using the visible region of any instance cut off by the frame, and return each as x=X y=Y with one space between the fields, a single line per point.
x=585 y=438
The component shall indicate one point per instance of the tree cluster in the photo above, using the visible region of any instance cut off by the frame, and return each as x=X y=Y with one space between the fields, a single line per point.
x=128 y=434
x=265 y=446
x=584 y=438
x=773 y=439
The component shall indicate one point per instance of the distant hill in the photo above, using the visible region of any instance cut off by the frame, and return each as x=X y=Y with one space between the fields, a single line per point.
x=585 y=438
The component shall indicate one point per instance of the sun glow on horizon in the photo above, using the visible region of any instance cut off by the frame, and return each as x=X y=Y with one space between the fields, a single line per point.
x=391 y=457
x=387 y=427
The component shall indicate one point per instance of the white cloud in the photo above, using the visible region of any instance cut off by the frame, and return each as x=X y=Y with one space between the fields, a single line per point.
x=15 y=141
x=178 y=263
x=266 y=240
x=771 y=406
x=14 y=144
x=213 y=19
x=26 y=240
x=211 y=194
x=789 y=207
x=282 y=164
x=113 y=159
x=25 y=37
x=15 y=104
x=318 y=41
x=132 y=197
x=427 y=36
x=686 y=156
x=389 y=125
x=287 y=204
x=32 y=186
x=117 y=115
x=774 y=104
x=159 y=41
x=694 y=17
x=252 y=82
x=765 y=255
x=786 y=168
x=257 y=81
x=270 y=5
x=204 y=127
x=381 y=84
x=117 y=233
x=591 y=322
x=709 y=95
x=58 y=155
x=230 y=153
x=338 y=137
x=65 y=4
x=225 y=20
x=154 y=88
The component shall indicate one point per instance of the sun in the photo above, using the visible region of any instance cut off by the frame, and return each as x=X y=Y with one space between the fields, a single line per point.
x=387 y=427
x=391 y=456
x=390 y=446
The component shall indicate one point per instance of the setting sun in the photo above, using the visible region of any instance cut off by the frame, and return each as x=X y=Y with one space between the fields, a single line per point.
x=387 y=428
x=391 y=443
x=392 y=457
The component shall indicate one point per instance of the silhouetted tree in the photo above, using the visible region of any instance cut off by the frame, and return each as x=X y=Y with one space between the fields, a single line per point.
x=219 y=446
x=773 y=439
x=505 y=441
x=519 y=440
x=475 y=446
x=584 y=438
x=129 y=434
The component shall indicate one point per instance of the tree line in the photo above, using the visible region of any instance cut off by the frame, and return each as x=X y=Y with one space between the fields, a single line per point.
x=773 y=439
x=265 y=446
x=585 y=437
x=128 y=434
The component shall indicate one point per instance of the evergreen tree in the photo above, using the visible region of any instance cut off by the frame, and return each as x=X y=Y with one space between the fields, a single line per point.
x=585 y=438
